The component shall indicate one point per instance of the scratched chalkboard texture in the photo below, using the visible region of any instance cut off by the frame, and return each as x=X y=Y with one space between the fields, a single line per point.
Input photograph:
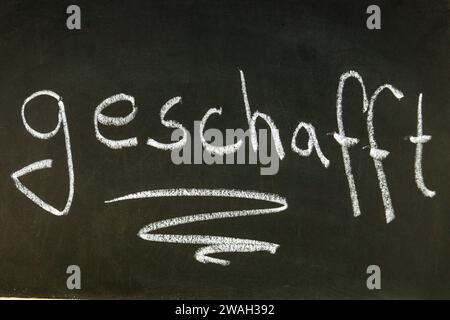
x=292 y=54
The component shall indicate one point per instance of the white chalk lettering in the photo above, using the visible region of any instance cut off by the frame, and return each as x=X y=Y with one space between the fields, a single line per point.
x=312 y=143
x=169 y=124
x=347 y=142
x=46 y=164
x=379 y=155
x=419 y=140
x=220 y=150
x=252 y=122
x=114 y=121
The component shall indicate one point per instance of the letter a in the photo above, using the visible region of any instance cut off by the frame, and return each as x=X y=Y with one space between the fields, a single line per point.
x=74 y=20
x=374 y=280
x=374 y=20
x=74 y=280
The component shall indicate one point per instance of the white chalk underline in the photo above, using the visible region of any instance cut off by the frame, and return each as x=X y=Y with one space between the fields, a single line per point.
x=215 y=244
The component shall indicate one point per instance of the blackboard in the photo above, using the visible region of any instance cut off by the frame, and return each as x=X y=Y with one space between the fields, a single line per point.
x=291 y=55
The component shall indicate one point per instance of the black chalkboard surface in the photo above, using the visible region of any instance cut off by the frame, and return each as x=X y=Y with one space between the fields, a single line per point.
x=111 y=185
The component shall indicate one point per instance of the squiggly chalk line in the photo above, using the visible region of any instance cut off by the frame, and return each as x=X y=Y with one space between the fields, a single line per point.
x=215 y=244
